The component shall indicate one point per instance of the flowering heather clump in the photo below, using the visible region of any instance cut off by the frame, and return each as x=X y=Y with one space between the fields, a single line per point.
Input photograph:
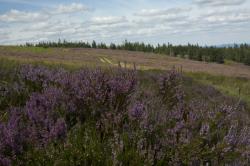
x=13 y=95
x=120 y=89
x=97 y=116
x=59 y=130
x=43 y=112
x=204 y=129
x=5 y=161
x=12 y=137
x=137 y=111
x=36 y=77
x=170 y=88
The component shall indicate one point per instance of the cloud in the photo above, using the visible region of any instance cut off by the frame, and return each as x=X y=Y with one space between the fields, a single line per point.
x=219 y=2
x=166 y=17
x=50 y=23
x=39 y=26
x=3 y=34
x=161 y=12
x=72 y=8
x=108 y=20
x=226 y=16
x=22 y=16
x=73 y=22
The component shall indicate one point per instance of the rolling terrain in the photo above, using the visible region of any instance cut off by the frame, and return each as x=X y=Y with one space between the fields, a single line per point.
x=86 y=107
x=103 y=57
x=230 y=78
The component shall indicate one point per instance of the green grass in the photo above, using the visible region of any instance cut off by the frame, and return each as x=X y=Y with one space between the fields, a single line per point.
x=232 y=86
x=28 y=49
x=229 y=62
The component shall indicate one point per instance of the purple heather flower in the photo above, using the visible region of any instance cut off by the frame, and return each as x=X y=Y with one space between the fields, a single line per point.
x=137 y=111
x=204 y=129
x=59 y=129
x=231 y=137
x=12 y=136
x=42 y=115
x=5 y=161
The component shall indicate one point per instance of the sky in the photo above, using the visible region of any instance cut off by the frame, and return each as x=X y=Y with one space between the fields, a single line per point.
x=204 y=22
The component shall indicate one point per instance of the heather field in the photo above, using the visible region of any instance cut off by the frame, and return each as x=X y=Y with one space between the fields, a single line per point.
x=82 y=57
x=230 y=78
x=125 y=83
x=63 y=106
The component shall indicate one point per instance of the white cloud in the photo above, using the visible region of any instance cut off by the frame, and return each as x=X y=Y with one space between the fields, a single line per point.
x=162 y=12
x=72 y=8
x=3 y=34
x=226 y=16
x=39 y=26
x=22 y=16
x=219 y=2
x=107 y=20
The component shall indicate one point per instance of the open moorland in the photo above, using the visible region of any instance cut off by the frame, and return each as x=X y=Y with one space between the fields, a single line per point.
x=231 y=78
x=125 y=83
x=78 y=106
x=105 y=57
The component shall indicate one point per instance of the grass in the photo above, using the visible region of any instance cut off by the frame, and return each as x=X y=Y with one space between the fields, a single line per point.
x=86 y=145
x=229 y=62
x=10 y=62
x=28 y=49
x=233 y=86
x=232 y=79
x=99 y=57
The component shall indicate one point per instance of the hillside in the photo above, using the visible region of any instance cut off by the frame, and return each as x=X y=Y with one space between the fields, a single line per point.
x=103 y=57
x=108 y=115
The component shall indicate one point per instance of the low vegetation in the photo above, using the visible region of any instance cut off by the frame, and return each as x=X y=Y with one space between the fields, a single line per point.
x=238 y=53
x=233 y=86
x=117 y=116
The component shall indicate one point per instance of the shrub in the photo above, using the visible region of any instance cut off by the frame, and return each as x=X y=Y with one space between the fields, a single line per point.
x=93 y=117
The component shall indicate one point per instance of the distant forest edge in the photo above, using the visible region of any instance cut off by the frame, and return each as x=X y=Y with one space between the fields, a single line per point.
x=238 y=53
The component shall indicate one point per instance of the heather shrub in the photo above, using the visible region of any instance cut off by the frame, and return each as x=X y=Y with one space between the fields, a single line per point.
x=13 y=136
x=82 y=147
x=45 y=116
x=170 y=88
x=12 y=95
x=110 y=117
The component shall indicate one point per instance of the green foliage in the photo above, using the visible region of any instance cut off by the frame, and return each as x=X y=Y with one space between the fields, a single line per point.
x=83 y=147
x=247 y=58
x=233 y=86
x=94 y=44
x=64 y=44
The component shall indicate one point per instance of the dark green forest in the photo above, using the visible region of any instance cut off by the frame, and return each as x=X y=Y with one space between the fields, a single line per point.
x=237 y=52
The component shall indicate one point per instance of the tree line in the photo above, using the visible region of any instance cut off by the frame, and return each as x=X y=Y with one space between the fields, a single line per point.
x=239 y=53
